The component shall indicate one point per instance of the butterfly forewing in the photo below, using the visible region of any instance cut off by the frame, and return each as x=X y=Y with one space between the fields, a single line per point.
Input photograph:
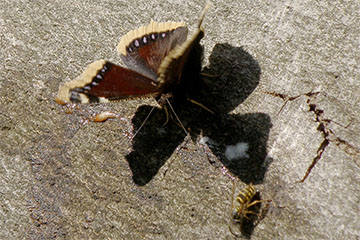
x=118 y=82
x=145 y=53
x=102 y=81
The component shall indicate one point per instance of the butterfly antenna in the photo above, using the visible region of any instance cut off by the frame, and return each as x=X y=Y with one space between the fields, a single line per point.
x=177 y=118
x=143 y=123
x=204 y=11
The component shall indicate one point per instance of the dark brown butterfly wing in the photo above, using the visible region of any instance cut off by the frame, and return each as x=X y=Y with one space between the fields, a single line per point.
x=144 y=49
x=102 y=81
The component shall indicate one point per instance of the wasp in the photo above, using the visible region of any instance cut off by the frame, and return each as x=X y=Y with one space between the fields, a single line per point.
x=245 y=207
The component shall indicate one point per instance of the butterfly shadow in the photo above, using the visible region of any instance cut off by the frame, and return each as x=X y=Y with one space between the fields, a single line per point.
x=237 y=75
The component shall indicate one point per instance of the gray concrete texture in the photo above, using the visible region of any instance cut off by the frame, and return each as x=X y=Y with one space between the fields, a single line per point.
x=286 y=82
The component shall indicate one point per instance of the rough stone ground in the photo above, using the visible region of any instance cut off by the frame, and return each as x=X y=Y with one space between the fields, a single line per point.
x=63 y=177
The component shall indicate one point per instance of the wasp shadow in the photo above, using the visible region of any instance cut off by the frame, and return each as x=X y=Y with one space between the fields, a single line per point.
x=236 y=75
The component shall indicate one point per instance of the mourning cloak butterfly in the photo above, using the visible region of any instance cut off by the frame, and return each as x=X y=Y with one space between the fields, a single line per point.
x=155 y=56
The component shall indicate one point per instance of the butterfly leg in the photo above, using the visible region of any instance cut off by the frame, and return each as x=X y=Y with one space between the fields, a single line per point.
x=200 y=105
x=167 y=114
x=209 y=75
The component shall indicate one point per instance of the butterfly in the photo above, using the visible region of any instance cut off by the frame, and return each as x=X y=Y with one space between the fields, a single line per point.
x=154 y=54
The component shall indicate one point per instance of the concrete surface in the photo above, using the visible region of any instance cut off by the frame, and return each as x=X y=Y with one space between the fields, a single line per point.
x=64 y=177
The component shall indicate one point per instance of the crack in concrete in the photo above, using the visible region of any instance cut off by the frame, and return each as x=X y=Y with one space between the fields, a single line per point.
x=323 y=128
